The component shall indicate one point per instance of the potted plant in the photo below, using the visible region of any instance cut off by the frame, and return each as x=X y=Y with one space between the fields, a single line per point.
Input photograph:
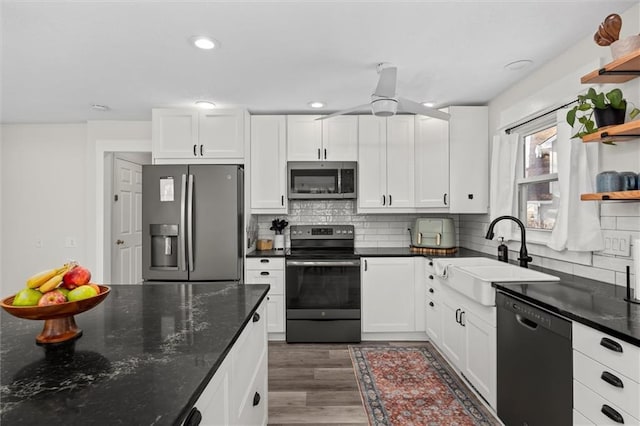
x=278 y=225
x=605 y=108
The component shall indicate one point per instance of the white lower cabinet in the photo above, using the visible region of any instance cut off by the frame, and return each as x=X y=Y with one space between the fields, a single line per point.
x=606 y=378
x=388 y=294
x=469 y=341
x=270 y=270
x=237 y=392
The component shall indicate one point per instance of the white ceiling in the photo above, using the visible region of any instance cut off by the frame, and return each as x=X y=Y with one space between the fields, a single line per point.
x=60 y=57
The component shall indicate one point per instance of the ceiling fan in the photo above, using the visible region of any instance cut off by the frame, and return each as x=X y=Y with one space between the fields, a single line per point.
x=385 y=103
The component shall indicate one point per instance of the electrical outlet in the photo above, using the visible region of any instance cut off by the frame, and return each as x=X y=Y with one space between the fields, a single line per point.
x=70 y=242
x=617 y=243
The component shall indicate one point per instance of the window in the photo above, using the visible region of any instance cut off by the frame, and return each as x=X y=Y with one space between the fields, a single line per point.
x=538 y=192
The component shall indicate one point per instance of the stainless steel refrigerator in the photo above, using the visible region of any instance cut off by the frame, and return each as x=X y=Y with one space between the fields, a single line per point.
x=192 y=222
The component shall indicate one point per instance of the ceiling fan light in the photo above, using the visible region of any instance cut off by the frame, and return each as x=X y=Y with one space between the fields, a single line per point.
x=384 y=107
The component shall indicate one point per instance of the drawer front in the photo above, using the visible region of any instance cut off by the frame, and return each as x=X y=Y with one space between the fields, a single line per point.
x=275 y=278
x=254 y=407
x=594 y=406
x=265 y=263
x=247 y=353
x=613 y=386
x=580 y=420
x=616 y=354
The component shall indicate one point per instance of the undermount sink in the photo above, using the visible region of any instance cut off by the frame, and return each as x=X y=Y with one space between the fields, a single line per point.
x=473 y=277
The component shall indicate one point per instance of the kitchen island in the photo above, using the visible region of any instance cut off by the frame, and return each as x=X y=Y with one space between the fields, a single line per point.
x=146 y=354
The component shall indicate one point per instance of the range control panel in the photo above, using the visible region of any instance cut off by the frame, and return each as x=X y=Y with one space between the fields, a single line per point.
x=322 y=232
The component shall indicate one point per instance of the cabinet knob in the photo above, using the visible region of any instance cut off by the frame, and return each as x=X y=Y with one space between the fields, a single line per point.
x=430 y=277
x=256 y=317
x=256 y=399
x=430 y=263
x=430 y=290
x=431 y=304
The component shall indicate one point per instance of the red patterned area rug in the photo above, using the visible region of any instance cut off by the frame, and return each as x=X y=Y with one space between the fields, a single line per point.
x=414 y=386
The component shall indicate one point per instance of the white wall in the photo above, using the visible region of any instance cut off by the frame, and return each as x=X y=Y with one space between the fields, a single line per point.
x=556 y=83
x=43 y=199
x=48 y=192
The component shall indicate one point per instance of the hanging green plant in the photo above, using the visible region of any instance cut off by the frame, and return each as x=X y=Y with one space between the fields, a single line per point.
x=599 y=109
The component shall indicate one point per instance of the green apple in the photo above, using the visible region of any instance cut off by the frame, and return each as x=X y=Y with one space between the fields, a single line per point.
x=82 y=292
x=64 y=291
x=27 y=297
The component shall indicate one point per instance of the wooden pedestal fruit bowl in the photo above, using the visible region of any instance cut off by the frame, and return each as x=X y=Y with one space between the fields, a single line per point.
x=59 y=324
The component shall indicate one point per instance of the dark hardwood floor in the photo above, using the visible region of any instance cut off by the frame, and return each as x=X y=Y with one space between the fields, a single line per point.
x=313 y=384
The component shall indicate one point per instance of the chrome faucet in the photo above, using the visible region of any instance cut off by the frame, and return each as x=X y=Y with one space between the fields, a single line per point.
x=524 y=256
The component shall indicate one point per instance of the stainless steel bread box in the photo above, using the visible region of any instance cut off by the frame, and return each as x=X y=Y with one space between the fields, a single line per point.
x=433 y=233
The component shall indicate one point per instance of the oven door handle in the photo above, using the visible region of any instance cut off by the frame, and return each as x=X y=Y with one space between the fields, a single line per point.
x=355 y=262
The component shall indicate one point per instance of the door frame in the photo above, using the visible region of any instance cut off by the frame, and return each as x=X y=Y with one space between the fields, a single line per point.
x=102 y=241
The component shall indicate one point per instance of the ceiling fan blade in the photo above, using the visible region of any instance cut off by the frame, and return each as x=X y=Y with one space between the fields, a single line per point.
x=407 y=105
x=345 y=111
x=387 y=83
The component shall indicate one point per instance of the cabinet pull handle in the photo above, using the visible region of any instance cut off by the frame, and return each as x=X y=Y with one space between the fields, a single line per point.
x=366 y=266
x=256 y=399
x=612 y=379
x=444 y=198
x=384 y=201
x=430 y=277
x=390 y=200
x=264 y=260
x=194 y=151
x=282 y=200
x=325 y=153
x=462 y=321
x=611 y=344
x=318 y=153
x=430 y=290
x=612 y=414
x=201 y=154
x=431 y=304
x=193 y=418
x=264 y=273
x=256 y=317
x=458 y=313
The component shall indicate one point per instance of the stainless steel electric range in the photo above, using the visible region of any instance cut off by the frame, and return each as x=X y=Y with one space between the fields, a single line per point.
x=322 y=285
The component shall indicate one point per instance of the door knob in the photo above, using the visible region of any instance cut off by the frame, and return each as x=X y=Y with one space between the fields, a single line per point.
x=118 y=242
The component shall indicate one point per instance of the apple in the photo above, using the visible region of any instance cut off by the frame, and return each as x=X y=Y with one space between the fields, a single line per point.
x=27 y=297
x=76 y=277
x=82 y=292
x=53 y=297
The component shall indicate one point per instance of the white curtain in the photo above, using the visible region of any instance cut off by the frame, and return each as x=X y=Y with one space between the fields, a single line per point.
x=577 y=226
x=502 y=198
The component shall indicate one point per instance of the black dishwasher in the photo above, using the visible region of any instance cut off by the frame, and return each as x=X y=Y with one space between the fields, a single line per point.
x=535 y=368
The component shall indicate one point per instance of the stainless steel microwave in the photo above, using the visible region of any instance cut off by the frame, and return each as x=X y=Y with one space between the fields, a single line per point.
x=321 y=180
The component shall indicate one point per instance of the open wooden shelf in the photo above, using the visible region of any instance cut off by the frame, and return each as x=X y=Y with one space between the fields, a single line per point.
x=622 y=132
x=620 y=195
x=621 y=70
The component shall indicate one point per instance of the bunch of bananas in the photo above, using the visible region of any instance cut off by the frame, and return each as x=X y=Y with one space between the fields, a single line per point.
x=51 y=278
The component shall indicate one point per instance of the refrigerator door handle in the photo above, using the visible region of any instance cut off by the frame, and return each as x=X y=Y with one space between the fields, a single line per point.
x=182 y=250
x=190 y=222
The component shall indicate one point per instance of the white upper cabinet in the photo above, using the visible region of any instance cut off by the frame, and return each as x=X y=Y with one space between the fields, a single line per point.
x=268 y=164
x=334 y=139
x=195 y=134
x=385 y=164
x=469 y=165
x=431 y=163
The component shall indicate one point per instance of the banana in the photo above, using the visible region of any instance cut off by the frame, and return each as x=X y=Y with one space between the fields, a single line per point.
x=42 y=277
x=52 y=283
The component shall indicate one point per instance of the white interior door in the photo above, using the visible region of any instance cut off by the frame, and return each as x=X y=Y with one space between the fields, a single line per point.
x=126 y=230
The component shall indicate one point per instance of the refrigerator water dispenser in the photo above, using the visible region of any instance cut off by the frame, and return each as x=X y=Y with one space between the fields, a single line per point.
x=164 y=245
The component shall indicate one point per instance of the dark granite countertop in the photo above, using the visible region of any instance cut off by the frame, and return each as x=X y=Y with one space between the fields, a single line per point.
x=593 y=303
x=267 y=253
x=146 y=354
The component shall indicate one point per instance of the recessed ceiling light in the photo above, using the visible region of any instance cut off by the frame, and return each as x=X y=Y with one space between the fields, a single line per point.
x=97 y=107
x=316 y=104
x=428 y=104
x=203 y=42
x=518 y=65
x=205 y=104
